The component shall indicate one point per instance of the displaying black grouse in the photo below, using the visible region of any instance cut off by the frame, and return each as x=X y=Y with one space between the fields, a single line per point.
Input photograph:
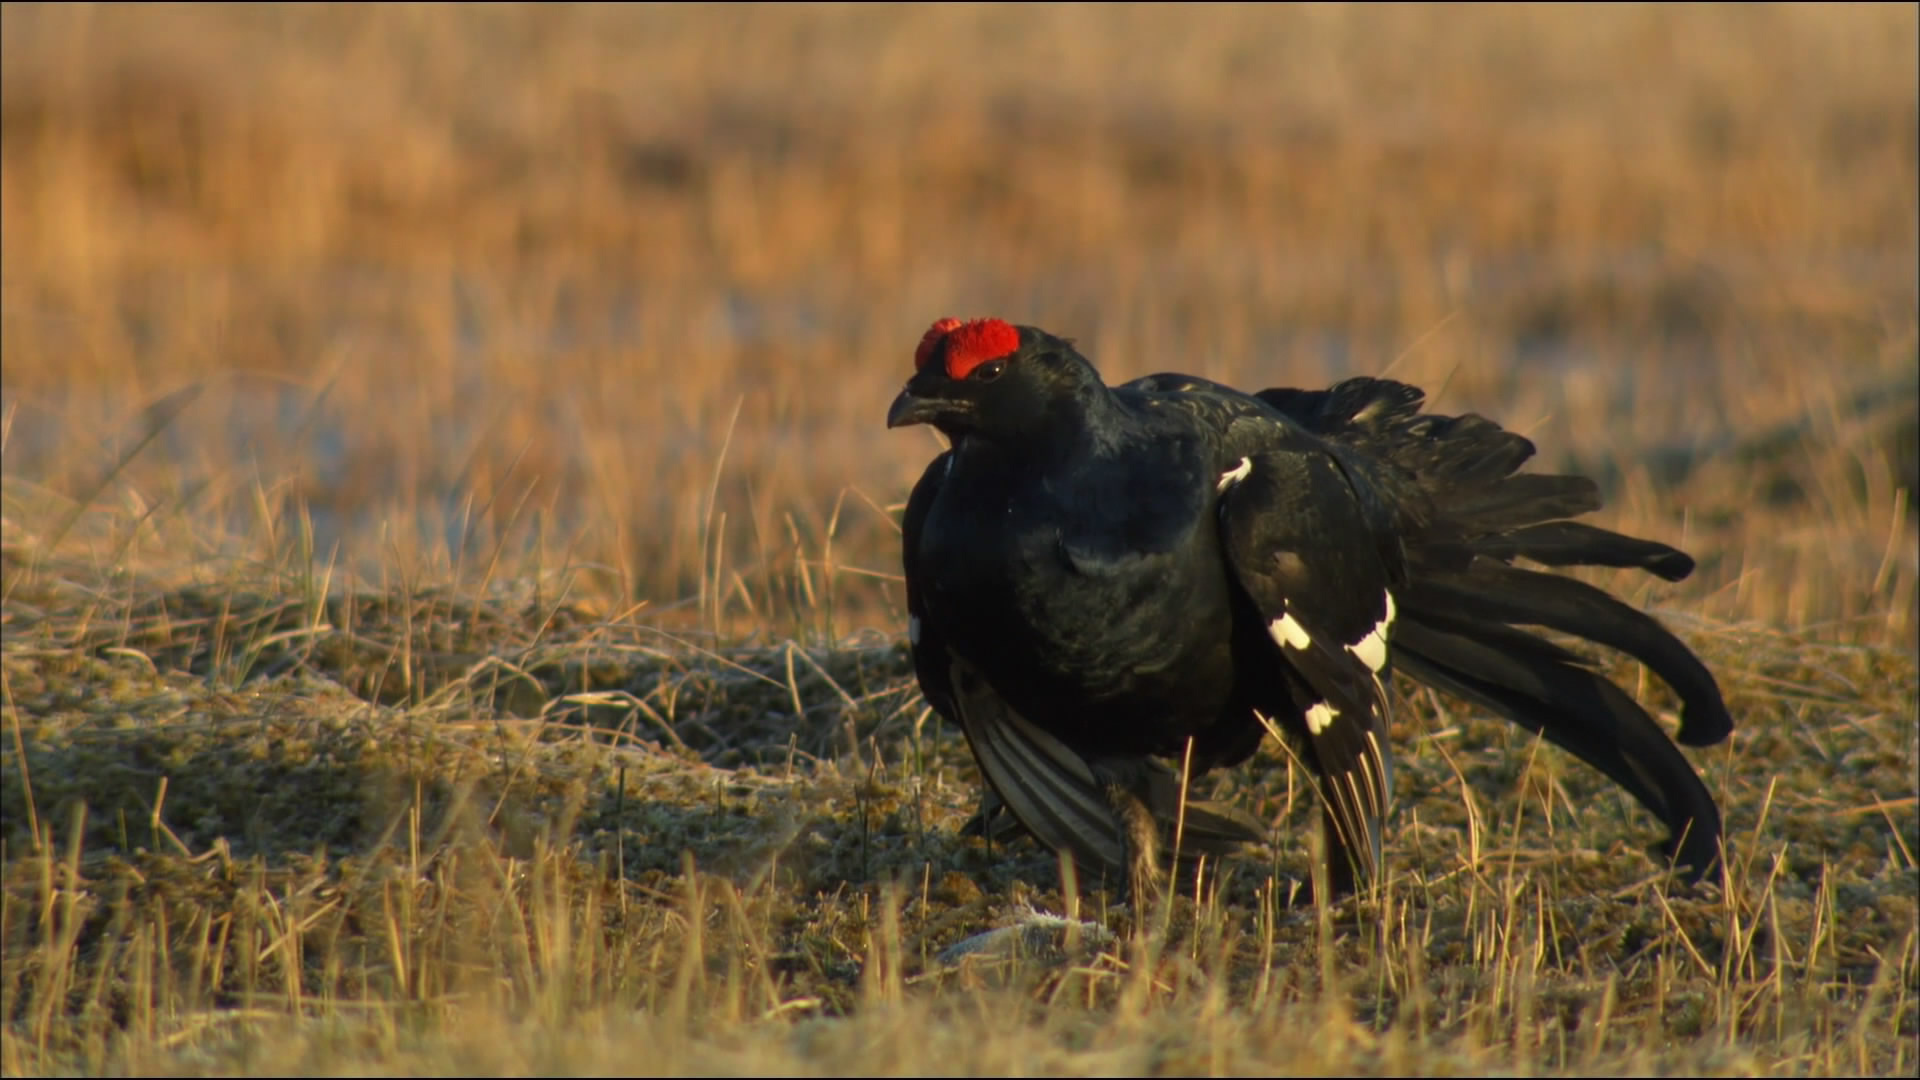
x=1102 y=577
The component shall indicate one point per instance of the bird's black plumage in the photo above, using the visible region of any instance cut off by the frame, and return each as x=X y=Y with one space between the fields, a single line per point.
x=1102 y=579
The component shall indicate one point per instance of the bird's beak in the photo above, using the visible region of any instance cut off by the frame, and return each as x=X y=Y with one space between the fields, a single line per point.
x=926 y=401
x=910 y=409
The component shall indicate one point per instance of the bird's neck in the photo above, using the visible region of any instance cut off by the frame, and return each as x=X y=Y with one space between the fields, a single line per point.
x=1068 y=430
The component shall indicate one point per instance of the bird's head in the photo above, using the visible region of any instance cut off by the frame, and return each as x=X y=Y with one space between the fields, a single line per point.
x=990 y=378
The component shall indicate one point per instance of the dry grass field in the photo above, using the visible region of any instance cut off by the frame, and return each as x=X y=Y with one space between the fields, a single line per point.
x=449 y=541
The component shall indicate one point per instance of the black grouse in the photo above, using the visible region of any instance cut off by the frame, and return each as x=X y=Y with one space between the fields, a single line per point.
x=1101 y=577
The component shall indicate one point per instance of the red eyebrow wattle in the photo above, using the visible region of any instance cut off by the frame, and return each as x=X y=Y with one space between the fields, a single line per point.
x=931 y=340
x=968 y=344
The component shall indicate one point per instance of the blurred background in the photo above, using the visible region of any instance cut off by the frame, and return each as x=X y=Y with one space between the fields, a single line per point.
x=452 y=293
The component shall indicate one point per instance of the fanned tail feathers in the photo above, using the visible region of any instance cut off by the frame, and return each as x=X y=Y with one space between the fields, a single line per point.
x=1468 y=514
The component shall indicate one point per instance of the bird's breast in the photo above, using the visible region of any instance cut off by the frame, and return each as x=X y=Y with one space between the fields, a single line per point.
x=1077 y=621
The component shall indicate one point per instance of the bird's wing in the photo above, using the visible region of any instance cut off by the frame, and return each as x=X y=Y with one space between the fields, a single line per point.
x=929 y=653
x=1050 y=788
x=1305 y=542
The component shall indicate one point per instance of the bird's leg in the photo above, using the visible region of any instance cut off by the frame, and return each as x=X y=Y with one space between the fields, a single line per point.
x=1140 y=835
x=985 y=815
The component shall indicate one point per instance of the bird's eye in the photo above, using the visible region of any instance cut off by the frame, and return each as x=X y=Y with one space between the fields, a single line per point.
x=989 y=371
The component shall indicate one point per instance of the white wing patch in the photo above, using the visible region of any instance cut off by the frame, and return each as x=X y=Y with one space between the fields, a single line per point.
x=1320 y=717
x=1287 y=631
x=1372 y=649
x=913 y=629
x=1236 y=474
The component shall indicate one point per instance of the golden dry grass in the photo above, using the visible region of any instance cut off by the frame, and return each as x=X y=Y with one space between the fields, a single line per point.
x=445 y=482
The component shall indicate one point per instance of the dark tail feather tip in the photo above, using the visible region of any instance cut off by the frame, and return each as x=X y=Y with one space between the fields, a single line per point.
x=1673 y=566
x=1704 y=722
x=1694 y=861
